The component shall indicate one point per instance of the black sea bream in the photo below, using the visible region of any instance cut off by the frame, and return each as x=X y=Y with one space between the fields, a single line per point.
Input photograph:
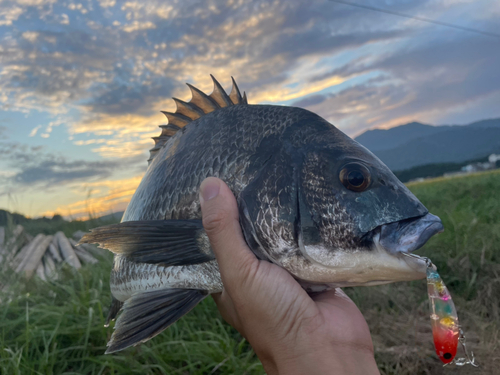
x=311 y=200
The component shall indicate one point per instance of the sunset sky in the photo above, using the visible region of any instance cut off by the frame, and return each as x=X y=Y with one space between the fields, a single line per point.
x=82 y=82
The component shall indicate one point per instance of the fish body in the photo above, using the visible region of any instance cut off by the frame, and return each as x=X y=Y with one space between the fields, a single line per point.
x=311 y=200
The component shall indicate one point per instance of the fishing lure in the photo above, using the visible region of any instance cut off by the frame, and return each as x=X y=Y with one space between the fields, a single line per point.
x=444 y=317
x=446 y=329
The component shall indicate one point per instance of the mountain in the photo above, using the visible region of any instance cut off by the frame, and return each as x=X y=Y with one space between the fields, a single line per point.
x=415 y=144
x=381 y=139
x=115 y=216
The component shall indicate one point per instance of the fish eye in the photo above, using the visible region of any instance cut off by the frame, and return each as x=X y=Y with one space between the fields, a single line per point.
x=355 y=177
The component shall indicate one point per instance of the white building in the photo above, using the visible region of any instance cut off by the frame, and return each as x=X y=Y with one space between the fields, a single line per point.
x=493 y=158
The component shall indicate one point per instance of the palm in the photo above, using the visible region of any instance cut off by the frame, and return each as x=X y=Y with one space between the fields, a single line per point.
x=276 y=296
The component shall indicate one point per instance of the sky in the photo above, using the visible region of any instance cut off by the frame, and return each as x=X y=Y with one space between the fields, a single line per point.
x=82 y=83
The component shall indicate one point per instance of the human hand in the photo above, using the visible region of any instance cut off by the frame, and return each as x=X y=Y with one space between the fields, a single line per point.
x=291 y=332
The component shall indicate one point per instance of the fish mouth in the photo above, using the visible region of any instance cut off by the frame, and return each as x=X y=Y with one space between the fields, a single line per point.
x=408 y=235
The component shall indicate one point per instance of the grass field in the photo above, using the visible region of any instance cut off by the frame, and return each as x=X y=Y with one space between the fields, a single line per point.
x=57 y=327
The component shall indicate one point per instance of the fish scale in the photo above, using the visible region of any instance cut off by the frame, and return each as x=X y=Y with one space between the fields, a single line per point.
x=129 y=277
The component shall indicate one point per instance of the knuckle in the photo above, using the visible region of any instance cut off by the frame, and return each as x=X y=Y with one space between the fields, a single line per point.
x=214 y=222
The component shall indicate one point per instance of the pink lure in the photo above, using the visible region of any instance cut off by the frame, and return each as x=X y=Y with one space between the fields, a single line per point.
x=444 y=319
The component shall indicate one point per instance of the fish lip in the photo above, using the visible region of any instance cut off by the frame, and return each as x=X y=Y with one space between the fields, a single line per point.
x=408 y=235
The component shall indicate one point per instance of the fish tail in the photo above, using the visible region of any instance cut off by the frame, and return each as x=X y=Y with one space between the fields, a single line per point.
x=146 y=314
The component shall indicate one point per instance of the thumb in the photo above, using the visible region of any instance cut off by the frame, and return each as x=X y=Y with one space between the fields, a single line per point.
x=221 y=222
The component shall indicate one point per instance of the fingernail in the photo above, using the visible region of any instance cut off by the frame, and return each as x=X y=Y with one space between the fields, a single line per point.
x=209 y=189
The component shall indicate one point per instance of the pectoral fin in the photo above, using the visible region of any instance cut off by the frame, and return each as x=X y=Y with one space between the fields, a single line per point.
x=167 y=242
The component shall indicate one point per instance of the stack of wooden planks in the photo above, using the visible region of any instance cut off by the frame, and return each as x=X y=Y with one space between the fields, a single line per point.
x=42 y=254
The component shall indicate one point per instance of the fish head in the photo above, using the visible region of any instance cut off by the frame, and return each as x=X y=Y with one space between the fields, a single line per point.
x=356 y=219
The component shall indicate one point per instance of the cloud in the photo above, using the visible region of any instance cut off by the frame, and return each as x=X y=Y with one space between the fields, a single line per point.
x=30 y=36
x=50 y=172
x=137 y=26
x=107 y=3
x=424 y=82
x=8 y=15
x=310 y=101
x=118 y=99
x=105 y=69
x=36 y=168
x=35 y=130
x=132 y=56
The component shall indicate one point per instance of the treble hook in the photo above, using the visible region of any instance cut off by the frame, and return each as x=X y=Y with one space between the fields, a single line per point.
x=467 y=360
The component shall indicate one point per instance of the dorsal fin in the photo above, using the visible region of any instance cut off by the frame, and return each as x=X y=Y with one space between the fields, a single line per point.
x=199 y=105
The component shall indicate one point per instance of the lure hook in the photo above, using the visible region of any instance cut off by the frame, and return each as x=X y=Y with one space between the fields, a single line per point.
x=467 y=360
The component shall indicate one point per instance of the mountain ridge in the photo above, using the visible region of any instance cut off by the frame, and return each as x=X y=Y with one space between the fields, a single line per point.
x=414 y=144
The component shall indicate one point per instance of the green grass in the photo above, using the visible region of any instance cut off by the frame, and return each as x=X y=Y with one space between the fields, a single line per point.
x=58 y=328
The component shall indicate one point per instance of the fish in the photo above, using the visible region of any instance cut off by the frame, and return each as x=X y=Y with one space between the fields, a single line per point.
x=311 y=200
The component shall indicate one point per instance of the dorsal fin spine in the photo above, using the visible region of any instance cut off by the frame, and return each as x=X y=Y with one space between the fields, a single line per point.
x=219 y=95
x=188 y=109
x=201 y=100
x=168 y=130
x=235 y=95
x=177 y=119
x=199 y=105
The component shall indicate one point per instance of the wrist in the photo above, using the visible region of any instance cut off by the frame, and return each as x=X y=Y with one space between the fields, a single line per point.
x=330 y=358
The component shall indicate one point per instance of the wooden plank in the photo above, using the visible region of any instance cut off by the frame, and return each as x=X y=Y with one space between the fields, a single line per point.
x=85 y=257
x=35 y=258
x=78 y=235
x=49 y=266
x=54 y=252
x=40 y=271
x=91 y=249
x=26 y=252
x=67 y=251
x=19 y=257
x=16 y=257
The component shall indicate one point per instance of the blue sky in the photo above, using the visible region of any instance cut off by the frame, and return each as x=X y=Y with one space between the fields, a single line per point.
x=82 y=82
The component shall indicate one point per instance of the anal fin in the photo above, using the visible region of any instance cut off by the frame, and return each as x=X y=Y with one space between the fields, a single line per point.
x=147 y=314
